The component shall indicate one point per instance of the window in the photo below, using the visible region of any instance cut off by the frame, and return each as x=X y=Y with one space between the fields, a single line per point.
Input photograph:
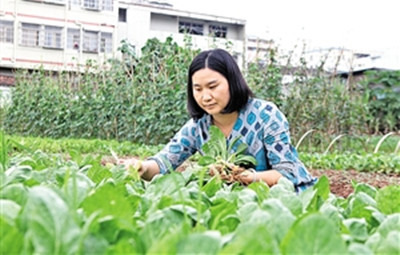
x=43 y=36
x=106 y=42
x=6 y=31
x=30 y=35
x=190 y=28
x=73 y=38
x=91 y=4
x=218 y=31
x=52 y=37
x=107 y=5
x=90 y=41
x=121 y=14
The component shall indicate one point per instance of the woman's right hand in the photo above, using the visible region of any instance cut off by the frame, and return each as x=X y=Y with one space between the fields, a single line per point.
x=132 y=164
x=147 y=169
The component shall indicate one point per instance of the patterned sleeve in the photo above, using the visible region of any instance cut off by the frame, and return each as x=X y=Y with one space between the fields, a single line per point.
x=179 y=148
x=281 y=154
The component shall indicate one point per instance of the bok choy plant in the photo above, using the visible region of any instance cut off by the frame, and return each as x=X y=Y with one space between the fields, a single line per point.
x=224 y=159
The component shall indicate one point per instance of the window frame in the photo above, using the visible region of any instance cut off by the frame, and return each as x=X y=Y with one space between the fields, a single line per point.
x=87 y=4
x=88 y=40
x=218 y=31
x=107 y=5
x=123 y=15
x=55 y=39
x=106 y=42
x=190 y=27
x=26 y=33
x=72 y=43
x=7 y=31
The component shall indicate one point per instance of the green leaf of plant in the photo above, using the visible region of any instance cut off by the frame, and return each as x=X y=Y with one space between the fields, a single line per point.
x=194 y=243
x=359 y=206
x=16 y=192
x=111 y=200
x=239 y=149
x=357 y=229
x=261 y=188
x=245 y=160
x=76 y=188
x=165 y=184
x=212 y=186
x=390 y=244
x=49 y=223
x=223 y=216
x=313 y=234
x=366 y=188
x=388 y=199
x=160 y=223
x=9 y=210
x=253 y=237
x=11 y=239
x=206 y=160
x=277 y=210
x=321 y=194
x=391 y=223
x=359 y=249
x=216 y=145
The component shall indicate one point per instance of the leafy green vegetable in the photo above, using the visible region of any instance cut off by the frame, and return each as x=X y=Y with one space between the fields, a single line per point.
x=225 y=159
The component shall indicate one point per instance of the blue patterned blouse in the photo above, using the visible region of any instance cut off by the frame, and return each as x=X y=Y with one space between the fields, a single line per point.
x=261 y=125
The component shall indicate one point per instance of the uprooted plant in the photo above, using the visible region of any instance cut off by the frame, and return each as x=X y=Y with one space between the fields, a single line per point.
x=223 y=159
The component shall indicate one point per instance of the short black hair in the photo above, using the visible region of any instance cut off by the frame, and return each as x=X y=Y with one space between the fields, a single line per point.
x=222 y=62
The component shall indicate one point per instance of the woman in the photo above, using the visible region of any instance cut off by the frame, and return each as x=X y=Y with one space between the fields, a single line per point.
x=218 y=95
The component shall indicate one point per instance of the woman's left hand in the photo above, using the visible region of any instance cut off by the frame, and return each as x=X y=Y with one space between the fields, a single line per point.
x=248 y=176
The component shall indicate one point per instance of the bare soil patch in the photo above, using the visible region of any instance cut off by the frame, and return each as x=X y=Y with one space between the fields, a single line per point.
x=340 y=180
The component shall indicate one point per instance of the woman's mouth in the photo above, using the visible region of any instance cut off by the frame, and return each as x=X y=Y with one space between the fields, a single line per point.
x=209 y=106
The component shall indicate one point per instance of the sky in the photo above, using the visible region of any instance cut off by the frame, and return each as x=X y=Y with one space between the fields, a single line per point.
x=360 y=25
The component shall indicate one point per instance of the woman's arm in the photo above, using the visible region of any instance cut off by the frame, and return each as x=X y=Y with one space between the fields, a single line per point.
x=179 y=148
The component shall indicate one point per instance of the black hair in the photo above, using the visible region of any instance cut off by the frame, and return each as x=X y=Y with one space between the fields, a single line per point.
x=222 y=62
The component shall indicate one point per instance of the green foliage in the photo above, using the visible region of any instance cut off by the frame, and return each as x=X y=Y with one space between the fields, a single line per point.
x=374 y=162
x=59 y=206
x=140 y=100
x=264 y=76
x=382 y=89
x=143 y=99
x=218 y=152
x=84 y=150
x=77 y=148
x=316 y=102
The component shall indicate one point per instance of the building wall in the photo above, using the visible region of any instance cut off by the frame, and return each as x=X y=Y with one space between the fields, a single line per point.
x=63 y=22
x=147 y=21
x=44 y=46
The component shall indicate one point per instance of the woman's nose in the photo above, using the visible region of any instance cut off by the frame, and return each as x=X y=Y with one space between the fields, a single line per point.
x=206 y=96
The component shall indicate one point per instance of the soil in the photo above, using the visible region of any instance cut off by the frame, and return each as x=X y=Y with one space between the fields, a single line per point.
x=340 y=181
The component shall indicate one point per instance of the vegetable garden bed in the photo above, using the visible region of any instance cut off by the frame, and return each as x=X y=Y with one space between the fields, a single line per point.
x=80 y=203
x=49 y=205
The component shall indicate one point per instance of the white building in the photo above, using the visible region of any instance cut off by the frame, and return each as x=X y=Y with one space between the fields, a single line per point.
x=64 y=34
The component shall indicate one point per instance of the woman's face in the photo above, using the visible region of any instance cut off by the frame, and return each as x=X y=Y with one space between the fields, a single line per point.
x=210 y=90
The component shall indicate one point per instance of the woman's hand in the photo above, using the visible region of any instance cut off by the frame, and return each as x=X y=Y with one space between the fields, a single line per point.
x=132 y=164
x=147 y=169
x=248 y=176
